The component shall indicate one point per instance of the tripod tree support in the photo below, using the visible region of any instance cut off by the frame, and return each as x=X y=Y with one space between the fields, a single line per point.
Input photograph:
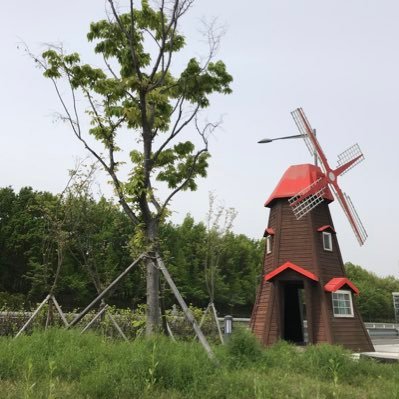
x=189 y=316
x=58 y=307
x=90 y=323
x=105 y=291
x=211 y=306
x=48 y=298
x=160 y=264
x=102 y=311
x=116 y=325
x=215 y=315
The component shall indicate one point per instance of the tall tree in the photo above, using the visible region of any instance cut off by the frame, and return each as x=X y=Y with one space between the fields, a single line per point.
x=136 y=91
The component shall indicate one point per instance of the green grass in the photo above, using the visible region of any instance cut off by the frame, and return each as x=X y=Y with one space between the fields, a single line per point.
x=65 y=364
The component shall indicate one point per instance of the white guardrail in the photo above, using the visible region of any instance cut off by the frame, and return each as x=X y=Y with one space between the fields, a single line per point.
x=377 y=330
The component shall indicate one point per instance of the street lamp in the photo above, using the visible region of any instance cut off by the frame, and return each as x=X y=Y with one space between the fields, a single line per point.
x=295 y=136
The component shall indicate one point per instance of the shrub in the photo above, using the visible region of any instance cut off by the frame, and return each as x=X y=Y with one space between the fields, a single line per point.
x=11 y=301
x=243 y=348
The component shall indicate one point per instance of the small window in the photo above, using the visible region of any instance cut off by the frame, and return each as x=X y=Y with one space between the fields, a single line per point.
x=269 y=242
x=327 y=241
x=342 y=303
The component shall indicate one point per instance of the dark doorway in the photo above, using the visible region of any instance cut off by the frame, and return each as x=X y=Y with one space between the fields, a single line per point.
x=293 y=308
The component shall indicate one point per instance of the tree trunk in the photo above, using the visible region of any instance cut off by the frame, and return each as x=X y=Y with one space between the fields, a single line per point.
x=153 y=311
x=153 y=319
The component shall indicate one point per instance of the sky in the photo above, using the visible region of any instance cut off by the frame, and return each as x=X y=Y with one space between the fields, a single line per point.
x=338 y=60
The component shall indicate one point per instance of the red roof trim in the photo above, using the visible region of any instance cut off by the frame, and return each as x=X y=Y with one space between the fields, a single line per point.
x=269 y=232
x=295 y=268
x=326 y=227
x=337 y=283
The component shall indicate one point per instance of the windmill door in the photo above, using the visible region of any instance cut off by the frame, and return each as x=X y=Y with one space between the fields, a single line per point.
x=293 y=311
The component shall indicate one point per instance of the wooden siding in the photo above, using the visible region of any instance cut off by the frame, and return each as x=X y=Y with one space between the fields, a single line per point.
x=258 y=320
x=295 y=245
x=274 y=322
x=349 y=332
x=314 y=308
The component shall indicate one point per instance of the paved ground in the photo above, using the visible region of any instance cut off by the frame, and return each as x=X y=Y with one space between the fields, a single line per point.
x=385 y=349
x=386 y=345
x=385 y=341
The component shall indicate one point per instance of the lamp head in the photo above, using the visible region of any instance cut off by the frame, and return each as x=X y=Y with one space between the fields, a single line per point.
x=263 y=141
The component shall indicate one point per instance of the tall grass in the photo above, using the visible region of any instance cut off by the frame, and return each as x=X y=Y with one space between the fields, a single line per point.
x=64 y=364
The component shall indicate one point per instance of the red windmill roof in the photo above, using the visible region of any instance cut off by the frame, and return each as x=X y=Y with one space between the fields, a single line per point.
x=295 y=179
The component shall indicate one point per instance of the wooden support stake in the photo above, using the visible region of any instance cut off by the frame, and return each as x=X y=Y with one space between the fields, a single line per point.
x=117 y=327
x=33 y=316
x=94 y=318
x=186 y=310
x=170 y=332
x=50 y=316
x=58 y=307
x=204 y=315
x=100 y=296
x=215 y=315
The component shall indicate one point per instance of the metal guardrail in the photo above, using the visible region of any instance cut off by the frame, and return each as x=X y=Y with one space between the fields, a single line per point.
x=375 y=330
x=381 y=325
x=382 y=330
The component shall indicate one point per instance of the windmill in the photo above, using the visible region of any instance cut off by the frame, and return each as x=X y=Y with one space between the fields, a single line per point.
x=311 y=196
x=304 y=277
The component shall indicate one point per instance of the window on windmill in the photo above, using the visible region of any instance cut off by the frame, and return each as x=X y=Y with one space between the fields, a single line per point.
x=342 y=303
x=327 y=241
x=269 y=242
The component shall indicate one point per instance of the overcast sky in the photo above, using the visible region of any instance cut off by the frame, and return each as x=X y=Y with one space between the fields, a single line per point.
x=339 y=60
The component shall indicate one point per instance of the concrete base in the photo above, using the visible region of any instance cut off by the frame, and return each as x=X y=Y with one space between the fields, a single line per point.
x=386 y=351
x=383 y=357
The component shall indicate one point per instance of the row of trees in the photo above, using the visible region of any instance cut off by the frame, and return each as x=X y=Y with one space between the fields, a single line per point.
x=84 y=244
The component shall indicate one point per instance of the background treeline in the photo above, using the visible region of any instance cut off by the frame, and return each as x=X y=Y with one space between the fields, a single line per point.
x=375 y=299
x=91 y=241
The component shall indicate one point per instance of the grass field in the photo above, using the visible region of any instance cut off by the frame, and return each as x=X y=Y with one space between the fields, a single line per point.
x=65 y=364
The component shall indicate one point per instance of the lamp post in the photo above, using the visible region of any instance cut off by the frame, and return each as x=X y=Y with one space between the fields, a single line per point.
x=295 y=136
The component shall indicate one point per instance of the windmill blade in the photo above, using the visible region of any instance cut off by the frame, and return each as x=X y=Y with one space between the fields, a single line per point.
x=348 y=155
x=350 y=212
x=304 y=128
x=309 y=137
x=308 y=198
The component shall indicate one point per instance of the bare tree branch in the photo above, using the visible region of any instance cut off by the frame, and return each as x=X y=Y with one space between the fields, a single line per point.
x=179 y=8
x=182 y=185
x=108 y=65
x=176 y=128
x=129 y=36
x=165 y=32
x=209 y=127
x=75 y=125
x=213 y=35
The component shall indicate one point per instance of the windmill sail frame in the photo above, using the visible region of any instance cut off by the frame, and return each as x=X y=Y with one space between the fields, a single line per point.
x=311 y=196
